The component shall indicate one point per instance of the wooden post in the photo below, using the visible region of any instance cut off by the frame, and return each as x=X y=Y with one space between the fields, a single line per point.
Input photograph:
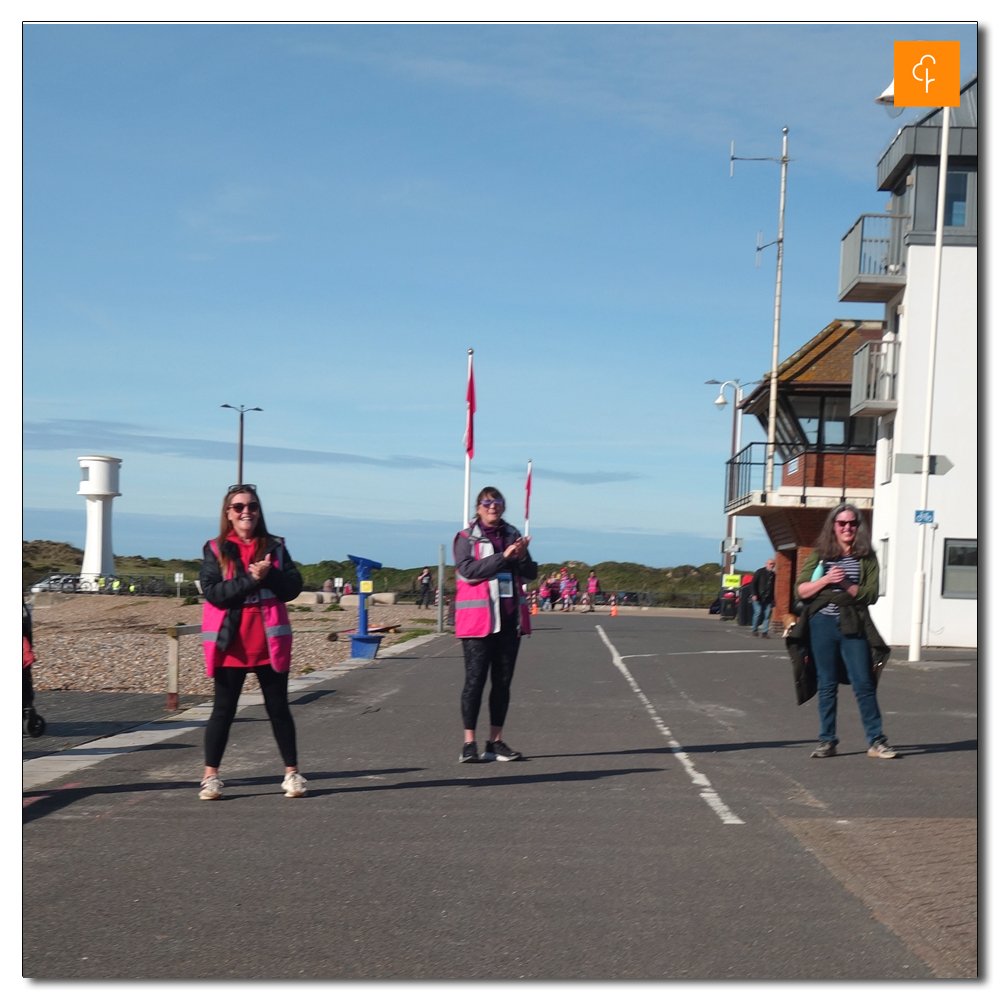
x=174 y=632
x=173 y=660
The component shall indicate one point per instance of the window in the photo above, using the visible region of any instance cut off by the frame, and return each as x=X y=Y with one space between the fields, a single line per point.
x=863 y=431
x=85 y=474
x=836 y=410
x=807 y=410
x=956 y=195
x=960 y=577
x=883 y=566
x=888 y=435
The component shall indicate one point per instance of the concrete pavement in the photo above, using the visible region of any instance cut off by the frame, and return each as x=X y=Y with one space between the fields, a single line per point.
x=599 y=857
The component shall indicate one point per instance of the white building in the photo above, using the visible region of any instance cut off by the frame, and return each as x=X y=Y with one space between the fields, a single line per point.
x=890 y=258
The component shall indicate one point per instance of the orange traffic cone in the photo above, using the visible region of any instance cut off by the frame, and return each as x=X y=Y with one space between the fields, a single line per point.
x=614 y=610
x=534 y=607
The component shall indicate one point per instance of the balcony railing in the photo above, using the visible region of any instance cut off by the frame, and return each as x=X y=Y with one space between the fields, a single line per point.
x=873 y=259
x=873 y=385
x=804 y=476
x=746 y=474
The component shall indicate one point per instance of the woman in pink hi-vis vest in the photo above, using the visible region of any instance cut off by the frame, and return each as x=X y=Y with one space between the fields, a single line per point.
x=491 y=615
x=247 y=576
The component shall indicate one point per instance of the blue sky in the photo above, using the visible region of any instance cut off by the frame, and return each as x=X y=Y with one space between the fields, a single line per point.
x=320 y=220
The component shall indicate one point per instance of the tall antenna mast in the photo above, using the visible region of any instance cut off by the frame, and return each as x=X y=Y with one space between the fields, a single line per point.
x=772 y=410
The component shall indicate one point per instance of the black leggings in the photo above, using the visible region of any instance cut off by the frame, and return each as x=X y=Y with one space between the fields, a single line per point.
x=493 y=655
x=228 y=684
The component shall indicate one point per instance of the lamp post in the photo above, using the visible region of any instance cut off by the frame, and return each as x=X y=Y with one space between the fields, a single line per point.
x=735 y=444
x=241 y=409
x=887 y=98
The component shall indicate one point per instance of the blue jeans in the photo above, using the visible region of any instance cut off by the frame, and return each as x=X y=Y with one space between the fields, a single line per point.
x=827 y=641
x=762 y=611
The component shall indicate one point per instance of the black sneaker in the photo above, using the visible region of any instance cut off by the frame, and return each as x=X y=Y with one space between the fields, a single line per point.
x=469 y=754
x=825 y=749
x=499 y=750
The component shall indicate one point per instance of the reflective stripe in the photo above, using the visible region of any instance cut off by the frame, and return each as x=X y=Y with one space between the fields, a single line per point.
x=471 y=604
x=274 y=630
x=209 y=636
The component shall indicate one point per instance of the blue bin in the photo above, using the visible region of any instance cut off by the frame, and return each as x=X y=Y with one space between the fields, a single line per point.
x=365 y=647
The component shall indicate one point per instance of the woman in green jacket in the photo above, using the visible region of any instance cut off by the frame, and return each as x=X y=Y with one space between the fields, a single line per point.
x=843 y=561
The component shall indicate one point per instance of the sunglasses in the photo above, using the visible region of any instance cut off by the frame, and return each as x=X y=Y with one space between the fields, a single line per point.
x=490 y=503
x=242 y=488
x=846 y=524
x=252 y=507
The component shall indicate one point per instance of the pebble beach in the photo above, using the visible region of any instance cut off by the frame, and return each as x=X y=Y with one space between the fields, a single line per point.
x=98 y=642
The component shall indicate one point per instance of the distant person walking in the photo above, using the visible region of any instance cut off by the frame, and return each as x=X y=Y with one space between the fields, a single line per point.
x=247 y=576
x=544 y=594
x=762 y=597
x=491 y=615
x=843 y=569
x=566 y=591
x=593 y=588
x=424 y=582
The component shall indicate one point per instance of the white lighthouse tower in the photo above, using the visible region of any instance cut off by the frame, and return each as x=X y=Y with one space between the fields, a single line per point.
x=99 y=484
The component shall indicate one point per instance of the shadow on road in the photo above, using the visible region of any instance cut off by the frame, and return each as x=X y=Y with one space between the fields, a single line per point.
x=39 y=804
x=44 y=803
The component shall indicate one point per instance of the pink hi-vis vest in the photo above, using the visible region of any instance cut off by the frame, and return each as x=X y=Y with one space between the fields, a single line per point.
x=277 y=627
x=477 y=602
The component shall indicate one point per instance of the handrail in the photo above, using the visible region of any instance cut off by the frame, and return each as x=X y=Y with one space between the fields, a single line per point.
x=873 y=246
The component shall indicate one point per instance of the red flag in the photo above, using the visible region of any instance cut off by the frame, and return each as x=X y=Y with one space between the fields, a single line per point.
x=470 y=398
x=527 y=494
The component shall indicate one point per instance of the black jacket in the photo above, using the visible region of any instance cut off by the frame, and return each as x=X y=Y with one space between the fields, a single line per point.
x=762 y=585
x=854 y=620
x=285 y=584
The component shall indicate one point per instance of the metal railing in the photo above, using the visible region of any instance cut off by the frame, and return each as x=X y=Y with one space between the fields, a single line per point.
x=873 y=384
x=745 y=473
x=873 y=247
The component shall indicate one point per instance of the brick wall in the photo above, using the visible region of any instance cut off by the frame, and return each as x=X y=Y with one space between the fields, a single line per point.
x=850 y=469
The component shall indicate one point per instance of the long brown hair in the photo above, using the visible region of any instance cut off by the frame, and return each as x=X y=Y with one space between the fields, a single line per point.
x=226 y=527
x=827 y=545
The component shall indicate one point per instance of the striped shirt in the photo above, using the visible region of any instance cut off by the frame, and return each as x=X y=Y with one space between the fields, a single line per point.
x=852 y=575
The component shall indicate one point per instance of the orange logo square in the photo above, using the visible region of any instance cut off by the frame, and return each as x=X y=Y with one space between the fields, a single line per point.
x=926 y=74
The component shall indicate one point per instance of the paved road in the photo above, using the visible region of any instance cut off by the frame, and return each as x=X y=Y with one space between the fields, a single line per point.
x=669 y=823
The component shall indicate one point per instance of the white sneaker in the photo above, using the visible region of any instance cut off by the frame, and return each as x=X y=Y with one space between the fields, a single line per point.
x=294 y=785
x=211 y=788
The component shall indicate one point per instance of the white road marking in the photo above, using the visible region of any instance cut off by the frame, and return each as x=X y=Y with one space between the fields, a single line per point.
x=708 y=794
x=703 y=652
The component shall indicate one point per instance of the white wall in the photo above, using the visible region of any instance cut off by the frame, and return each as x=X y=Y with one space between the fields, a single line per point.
x=953 y=497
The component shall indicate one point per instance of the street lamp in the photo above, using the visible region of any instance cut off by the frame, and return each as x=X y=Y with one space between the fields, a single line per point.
x=721 y=402
x=241 y=409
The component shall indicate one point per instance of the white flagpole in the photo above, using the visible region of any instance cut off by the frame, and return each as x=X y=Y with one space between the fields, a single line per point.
x=527 y=503
x=468 y=461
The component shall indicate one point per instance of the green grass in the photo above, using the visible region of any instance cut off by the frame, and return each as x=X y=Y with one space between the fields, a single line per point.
x=413 y=633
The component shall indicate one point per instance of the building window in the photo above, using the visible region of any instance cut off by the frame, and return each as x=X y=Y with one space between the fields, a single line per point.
x=836 y=411
x=863 y=431
x=889 y=434
x=960 y=577
x=807 y=410
x=883 y=566
x=956 y=198
x=85 y=474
